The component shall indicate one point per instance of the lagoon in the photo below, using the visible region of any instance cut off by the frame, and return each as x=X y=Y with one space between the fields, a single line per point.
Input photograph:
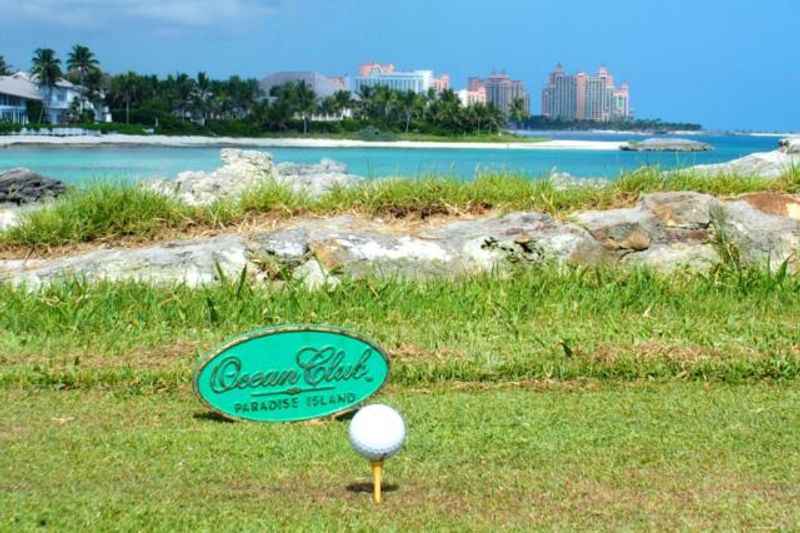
x=76 y=165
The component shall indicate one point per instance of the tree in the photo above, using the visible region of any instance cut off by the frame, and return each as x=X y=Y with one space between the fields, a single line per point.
x=518 y=111
x=5 y=68
x=305 y=102
x=343 y=101
x=47 y=71
x=202 y=95
x=125 y=87
x=82 y=61
x=407 y=102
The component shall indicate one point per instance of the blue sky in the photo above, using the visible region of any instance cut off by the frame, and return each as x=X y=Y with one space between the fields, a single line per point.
x=726 y=64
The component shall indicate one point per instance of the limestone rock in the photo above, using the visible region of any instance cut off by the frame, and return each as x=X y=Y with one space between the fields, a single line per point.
x=21 y=186
x=242 y=170
x=765 y=165
x=8 y=218
x=247 y=169
x=790 y=145
x=191 y=262
x=763 y=228
x=678 y=256
x=666 y=145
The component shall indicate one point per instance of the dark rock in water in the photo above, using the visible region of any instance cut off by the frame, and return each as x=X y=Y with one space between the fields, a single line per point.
x=667 y=145
x=23 y=186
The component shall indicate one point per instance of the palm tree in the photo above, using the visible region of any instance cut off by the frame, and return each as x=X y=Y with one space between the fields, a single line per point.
x=184 y=89
x=47 y=71
x=126 y=87
x=202 y=94
x=408 y=104
x=518 y=111
x=5 y=68
x=305 y=102
x=82 y=61
x=343 y=100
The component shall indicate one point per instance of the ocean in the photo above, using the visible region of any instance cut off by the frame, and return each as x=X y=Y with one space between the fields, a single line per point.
x=81 y=165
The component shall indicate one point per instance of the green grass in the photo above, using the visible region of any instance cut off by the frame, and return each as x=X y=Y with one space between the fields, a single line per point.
x=543 y=323
x=570 y=399
x=644 y=457
x=103 y=212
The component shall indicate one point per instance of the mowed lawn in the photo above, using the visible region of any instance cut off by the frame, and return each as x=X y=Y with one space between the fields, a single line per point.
x=549 y=398
x=667 y=456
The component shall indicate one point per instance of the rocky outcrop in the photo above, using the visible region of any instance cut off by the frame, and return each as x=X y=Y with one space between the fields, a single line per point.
x=774 y=164
x=8 y=218
x=20 y=186
x=664 y=231
x=763 y=228
x=663 y=225
x=245 y=170
x=789 y=145
x=666 y=145
x=315 y=179
x=191 y=262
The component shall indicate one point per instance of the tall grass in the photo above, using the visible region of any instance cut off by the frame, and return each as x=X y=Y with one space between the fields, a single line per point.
x=543 y=323
x=114 y=211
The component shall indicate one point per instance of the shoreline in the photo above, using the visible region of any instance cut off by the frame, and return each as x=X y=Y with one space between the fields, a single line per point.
x=232 y=142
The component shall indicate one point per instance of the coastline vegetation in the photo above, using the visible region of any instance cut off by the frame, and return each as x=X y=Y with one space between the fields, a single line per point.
x=649 y=125
x=182 y=104
x=105 y=212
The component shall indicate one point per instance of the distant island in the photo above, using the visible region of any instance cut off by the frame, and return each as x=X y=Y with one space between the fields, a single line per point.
x=645 y=125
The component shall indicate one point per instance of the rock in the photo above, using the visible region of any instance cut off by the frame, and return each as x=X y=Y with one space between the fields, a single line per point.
x=9 y=218
x=358 y=248
x=245 y=170
x=789 y=145
x=761 y=165
x=763 y=229
x=316 y=180
x=242 y=170
x=194 y=263
x=315 y=277
x=679 y=256
x=487 y=244
x=664 y=231
x=564 y=180
x=21 y=186
x=666 y=145
x=618 y=229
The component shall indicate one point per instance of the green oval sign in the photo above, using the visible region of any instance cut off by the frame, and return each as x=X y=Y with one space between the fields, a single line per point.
x=291 y=373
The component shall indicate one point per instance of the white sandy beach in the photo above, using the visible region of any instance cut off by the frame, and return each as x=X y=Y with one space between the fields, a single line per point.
x=187 y=142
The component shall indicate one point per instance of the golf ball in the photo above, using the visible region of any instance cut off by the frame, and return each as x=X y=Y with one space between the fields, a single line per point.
x=377 y=432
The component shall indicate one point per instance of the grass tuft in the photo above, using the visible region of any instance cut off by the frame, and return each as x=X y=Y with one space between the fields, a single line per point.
x=547 y=323
x=115 y=211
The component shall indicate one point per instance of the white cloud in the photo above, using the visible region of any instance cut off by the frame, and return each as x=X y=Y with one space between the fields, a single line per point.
x=108 y=13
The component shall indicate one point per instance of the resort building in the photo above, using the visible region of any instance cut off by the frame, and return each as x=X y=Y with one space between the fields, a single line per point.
x=469 y=97
x=501 y=90
x=323 y=86
x=418 y=81
x=585 y=96
x=20 y=88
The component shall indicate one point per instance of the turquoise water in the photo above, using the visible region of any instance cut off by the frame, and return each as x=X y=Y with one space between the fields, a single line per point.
x=76 y=165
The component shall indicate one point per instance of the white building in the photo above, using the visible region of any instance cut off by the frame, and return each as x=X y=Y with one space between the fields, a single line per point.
x=16 y=90
x=418 y=81
x=323 y=86
x=469 y=98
